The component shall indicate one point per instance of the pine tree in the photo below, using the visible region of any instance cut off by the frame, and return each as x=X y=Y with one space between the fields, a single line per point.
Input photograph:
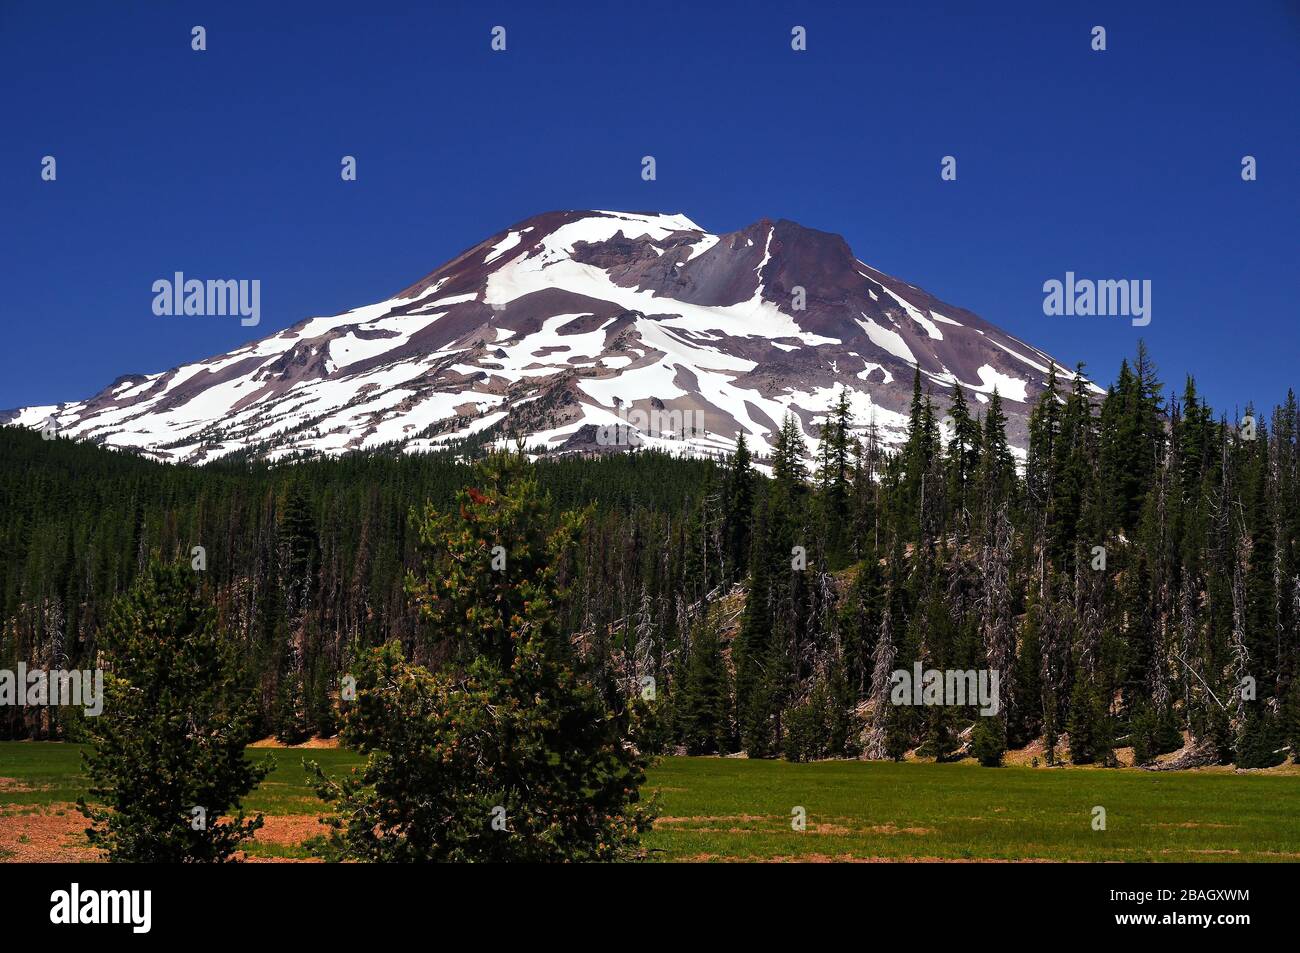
x=705 y=705
x=837 y=460
x=914 y=461
x=989 y=741
x=168 y=760
x=292 y=721
x=963 y=453
x=1044 y=430
x=788 y=468
x=1025 y=721
x=997 y=470
x=509 y=753
x=738 y=510
x=859 y=623
x=1083 y=723
x=1131 y=438
x=320 y=706
x=755 y=648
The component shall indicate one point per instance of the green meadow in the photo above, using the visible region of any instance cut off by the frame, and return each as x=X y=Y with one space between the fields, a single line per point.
x=734 y=809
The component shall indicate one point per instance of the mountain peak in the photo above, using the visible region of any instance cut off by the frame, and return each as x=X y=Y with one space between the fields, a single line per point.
x=571 y=321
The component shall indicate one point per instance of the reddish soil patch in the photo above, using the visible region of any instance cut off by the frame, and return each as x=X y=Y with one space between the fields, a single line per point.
x=45 y=836
x=289 y=829
x=309 y=743
x=837 y=829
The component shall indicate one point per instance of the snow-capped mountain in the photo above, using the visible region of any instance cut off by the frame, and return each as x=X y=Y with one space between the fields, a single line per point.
x=569 y=328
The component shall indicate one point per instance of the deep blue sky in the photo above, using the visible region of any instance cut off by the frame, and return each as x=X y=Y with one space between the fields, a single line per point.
x=226 y=163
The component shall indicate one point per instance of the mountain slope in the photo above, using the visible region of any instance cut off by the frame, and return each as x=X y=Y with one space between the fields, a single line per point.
x=567 y=327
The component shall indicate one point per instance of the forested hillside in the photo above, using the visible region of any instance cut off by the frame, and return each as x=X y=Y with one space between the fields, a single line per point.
x=306 y=562
x=1139 y=578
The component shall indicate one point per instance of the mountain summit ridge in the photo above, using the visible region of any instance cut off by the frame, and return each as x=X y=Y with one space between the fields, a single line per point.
x=568 y=324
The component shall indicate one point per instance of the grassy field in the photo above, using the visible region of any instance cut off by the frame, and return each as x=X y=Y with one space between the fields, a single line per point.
x=734 y=809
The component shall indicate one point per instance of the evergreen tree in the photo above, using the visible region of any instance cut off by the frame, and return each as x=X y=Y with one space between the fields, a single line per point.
x=963 y=454
x=292 y=721
x=1131 y=438
x=168 y=761
x=836 y=469
x=989 y=741
x=706 y=695
x=738 y=511
x=755 y=649
x=997 y=470
x=788 y=468
x=509 y=753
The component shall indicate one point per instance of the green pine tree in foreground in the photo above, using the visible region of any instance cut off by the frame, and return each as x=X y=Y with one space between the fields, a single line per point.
x=168 y=762
x=508 y=752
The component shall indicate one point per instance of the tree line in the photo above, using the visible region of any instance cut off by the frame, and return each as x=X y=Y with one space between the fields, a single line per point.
x=1135 y=583
x=1134 y=579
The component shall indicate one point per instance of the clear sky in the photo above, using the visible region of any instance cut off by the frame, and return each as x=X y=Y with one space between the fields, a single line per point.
x=225 y=163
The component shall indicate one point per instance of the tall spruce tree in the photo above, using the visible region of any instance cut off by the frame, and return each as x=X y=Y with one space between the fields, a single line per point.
x=963 y=453
x=738 y=510
x=755 y=649
x=705 y=706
